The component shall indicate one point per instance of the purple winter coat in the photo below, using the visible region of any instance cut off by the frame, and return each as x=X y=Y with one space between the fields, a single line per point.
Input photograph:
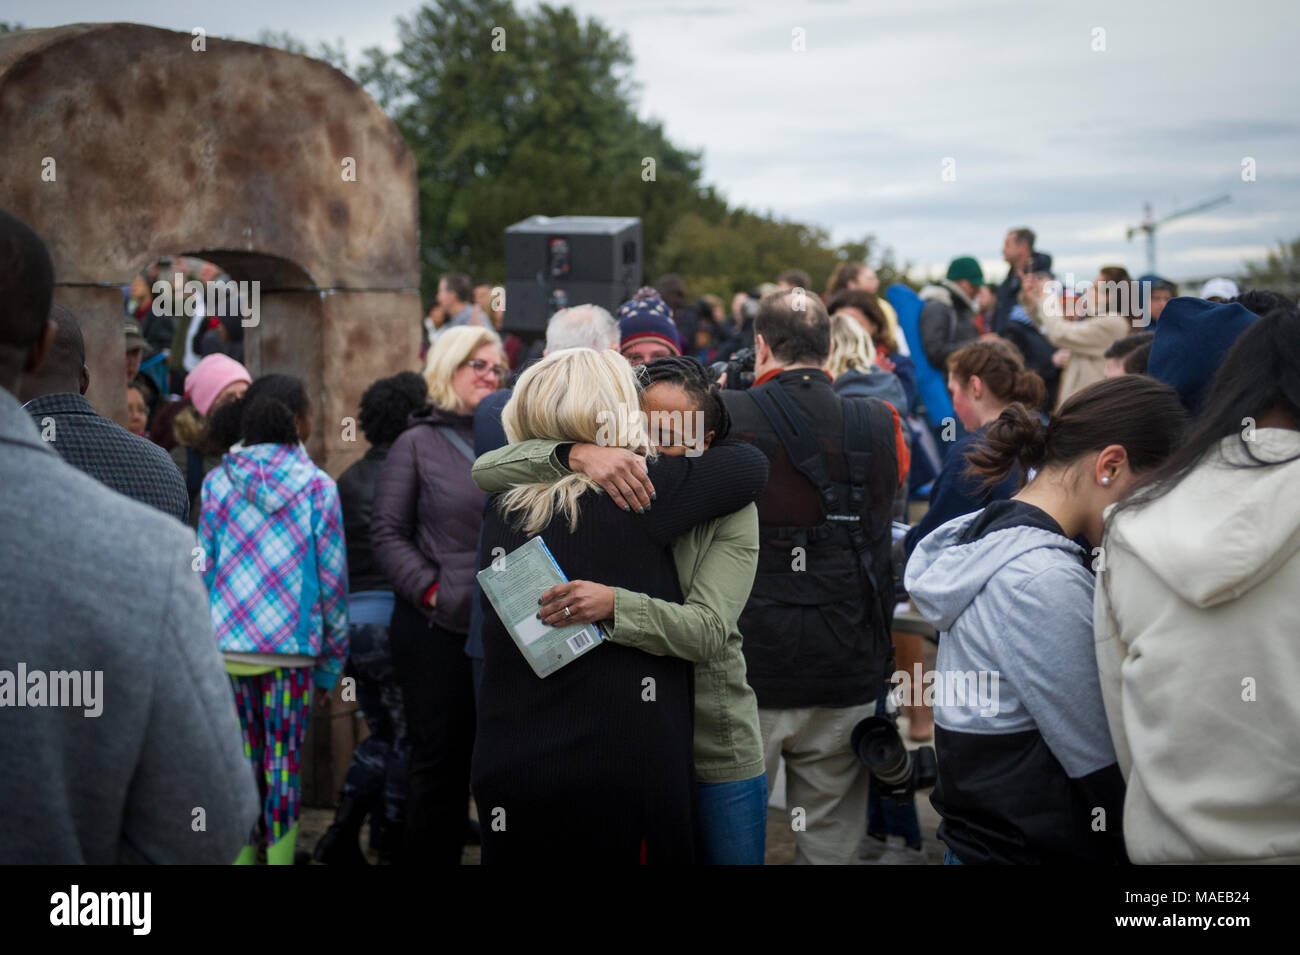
x=427 y=514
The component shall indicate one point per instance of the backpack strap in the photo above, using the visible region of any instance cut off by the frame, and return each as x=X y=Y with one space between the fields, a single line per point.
x=872 y=458
x=457 y=442
x=800 y=443
x=872 y=454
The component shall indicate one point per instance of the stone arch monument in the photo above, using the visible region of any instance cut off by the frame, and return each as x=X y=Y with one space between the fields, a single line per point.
x=125 y=142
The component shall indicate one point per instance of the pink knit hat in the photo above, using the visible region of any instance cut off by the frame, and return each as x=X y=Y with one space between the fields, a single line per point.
x=210 y=377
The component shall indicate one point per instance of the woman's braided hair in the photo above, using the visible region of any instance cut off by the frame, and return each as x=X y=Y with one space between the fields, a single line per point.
x=690 y=375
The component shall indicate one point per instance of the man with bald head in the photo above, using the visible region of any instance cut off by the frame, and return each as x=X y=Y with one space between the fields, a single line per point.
x=54 y=393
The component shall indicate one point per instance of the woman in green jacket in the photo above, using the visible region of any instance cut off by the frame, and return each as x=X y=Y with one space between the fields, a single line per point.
x=716 y=562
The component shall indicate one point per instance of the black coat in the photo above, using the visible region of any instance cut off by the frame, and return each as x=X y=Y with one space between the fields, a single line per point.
x=947 y=323
x=357 y=497
x=588 y=738
x=1008 y=295
x=808 y=631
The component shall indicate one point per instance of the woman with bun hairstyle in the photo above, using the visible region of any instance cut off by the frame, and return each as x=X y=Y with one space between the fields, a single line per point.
x=1027 y=771
x=271 y=539
x=984 y=378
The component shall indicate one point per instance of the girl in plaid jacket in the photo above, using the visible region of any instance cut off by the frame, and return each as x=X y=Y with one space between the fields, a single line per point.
x=271 y=539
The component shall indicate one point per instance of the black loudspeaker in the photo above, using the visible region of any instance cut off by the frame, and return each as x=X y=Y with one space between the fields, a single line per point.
x=553 y=262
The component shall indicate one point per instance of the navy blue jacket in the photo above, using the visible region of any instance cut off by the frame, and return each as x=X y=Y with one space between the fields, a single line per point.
x=954 y=493
x=488 y=436
x=488 y=431
x=905 y=369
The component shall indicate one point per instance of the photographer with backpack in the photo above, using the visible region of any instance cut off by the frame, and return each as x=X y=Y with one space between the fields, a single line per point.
x=816 y=626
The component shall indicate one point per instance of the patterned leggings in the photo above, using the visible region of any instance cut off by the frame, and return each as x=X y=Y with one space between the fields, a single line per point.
x=273 y=710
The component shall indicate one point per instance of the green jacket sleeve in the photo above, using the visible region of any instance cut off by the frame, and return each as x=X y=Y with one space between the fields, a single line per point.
x=716 y=564
x=528 y=462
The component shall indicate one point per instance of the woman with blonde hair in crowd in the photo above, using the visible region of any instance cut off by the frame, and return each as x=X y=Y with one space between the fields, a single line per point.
x=852 y=365
x=424 y=534
x=853 y=370
x=887 y=339
x=716 y=562
x=594 y=762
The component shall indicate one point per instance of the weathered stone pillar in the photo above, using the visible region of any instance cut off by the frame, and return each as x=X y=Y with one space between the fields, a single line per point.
x=124 y=143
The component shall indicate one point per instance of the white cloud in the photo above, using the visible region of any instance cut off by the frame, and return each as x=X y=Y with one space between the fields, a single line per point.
x=1221 y=253
x=849 y=133
x=1216 y=225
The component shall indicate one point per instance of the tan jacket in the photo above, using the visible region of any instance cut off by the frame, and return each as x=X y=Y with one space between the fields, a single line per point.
x=1197 y=624
x=1087 y=340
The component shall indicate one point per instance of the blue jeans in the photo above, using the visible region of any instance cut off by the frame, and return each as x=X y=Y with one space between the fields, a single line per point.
x=950 y=859
x=732 y=820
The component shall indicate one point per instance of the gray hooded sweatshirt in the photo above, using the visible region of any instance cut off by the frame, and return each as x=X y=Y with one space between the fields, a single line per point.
x=1027 y=772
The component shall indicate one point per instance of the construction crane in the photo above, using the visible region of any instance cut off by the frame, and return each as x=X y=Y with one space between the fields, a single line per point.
x=1149 y=225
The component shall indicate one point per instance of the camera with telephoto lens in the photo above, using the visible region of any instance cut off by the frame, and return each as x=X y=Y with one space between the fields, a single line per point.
x=739 y=369
x=898 y=771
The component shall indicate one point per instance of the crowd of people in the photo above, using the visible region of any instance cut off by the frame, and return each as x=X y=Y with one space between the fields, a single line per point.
x=1084 y=495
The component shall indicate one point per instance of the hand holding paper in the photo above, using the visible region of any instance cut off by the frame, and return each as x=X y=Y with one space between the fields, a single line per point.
x=514 y=586
x=586 y=602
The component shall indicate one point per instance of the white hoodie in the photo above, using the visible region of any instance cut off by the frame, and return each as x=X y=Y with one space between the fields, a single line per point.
x=1197 y=623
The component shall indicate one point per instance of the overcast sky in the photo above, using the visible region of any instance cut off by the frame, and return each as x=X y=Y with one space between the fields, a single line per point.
x=1043 y=126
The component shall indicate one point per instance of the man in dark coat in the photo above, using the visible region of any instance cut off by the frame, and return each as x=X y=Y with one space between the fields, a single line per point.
x=129 y=464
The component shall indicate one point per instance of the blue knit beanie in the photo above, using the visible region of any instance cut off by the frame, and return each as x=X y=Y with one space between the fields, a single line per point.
x=648 y=318
x=1191 y=339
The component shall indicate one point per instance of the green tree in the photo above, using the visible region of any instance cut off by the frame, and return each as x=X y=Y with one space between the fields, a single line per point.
x=738 y=250
x=1279 y=272
x=512 y=113
x=6 y=27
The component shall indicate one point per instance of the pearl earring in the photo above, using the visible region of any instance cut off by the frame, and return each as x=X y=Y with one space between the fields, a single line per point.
x=1105 y=480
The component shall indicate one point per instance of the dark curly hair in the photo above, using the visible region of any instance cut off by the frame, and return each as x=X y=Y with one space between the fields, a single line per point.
x=1262 y=301
x=266 y=414
x=388 y=402
x=690 y=375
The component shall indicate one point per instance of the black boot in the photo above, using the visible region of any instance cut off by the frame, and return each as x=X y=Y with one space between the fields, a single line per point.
x=340 y=845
